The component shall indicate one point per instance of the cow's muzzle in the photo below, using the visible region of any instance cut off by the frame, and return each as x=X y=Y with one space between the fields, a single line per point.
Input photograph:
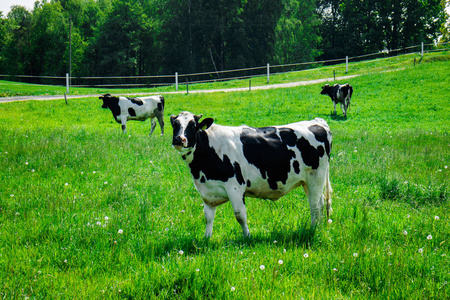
x=179 y=142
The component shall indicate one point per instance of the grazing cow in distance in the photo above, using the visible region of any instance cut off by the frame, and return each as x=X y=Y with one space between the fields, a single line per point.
x=229 y=163
x=339 y=93
x=141 y=108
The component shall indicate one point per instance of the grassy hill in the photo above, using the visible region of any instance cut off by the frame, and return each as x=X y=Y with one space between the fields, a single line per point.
x=87 y=212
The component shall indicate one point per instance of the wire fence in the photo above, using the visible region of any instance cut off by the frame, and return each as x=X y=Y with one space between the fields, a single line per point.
x=216 y=76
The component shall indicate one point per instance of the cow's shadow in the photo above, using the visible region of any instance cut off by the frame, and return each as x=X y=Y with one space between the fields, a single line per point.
x=303 y=237
x=337 y=117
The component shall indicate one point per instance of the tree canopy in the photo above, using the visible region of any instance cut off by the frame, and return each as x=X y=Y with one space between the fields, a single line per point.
x=154 y=37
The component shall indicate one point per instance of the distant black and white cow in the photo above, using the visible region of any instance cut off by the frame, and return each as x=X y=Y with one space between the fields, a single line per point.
x=339 y=93
x=230 y=163
x=141 y=108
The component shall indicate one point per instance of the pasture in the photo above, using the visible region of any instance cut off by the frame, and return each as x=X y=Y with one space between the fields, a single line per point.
x=87 y=212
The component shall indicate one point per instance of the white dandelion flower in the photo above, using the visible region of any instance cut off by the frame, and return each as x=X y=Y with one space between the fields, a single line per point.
x=429 y=237
x=233 y=288
x=305 y=255
x=280 y=261
x=120 y=231
x=262 y=267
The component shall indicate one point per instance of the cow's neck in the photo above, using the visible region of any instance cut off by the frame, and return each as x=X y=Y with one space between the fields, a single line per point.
x=187 y=154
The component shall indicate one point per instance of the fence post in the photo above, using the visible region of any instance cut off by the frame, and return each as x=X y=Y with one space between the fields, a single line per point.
x=421 y=52
x=250 y=84
x=346 y=64
x=67 y=83
x=176 y=81
x=268 y=73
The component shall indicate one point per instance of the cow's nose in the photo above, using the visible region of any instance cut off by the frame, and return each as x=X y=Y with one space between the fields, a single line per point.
x=179 y=141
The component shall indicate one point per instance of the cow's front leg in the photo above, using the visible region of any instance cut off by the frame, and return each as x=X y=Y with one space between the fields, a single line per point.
x=240 y=212
x=210 y=212
x=124 y=124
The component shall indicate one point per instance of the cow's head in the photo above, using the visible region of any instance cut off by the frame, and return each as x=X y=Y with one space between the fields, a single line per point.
x=108 y=100
x=185 y=128
x=325 y=89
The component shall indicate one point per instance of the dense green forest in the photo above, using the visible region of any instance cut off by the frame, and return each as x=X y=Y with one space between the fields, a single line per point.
x=154 y=37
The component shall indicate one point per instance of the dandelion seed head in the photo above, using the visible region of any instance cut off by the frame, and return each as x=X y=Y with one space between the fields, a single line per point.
x=280 y=261
x=436 y=217
x=330 y=221
x=262 y=267
x=120 y=231
x=306 y=255
x=355 y=254
x=181 y=252
x=233 y=288
x=420 y=250
x=405 y=232
x=429 y=237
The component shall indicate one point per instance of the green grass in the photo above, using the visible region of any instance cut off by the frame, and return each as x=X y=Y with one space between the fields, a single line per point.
x=70 y=182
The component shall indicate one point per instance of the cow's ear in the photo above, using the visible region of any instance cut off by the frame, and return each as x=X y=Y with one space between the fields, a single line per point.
x=172 y=119
x=206 y=123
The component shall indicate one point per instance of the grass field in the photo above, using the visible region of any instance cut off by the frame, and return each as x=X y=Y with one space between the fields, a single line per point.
x=87 y=212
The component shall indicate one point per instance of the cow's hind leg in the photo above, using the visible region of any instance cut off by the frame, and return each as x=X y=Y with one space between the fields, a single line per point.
x=210 y=212
x=315 y=198
x=160 y=116
x=344 y=109
x=240 y=212
x=153 y=124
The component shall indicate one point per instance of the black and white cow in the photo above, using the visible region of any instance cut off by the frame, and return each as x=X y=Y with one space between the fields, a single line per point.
x=141 y=108
x=339 y=93
x=230 y=163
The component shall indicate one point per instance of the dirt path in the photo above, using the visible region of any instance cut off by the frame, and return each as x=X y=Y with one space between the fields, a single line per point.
x=261 y=87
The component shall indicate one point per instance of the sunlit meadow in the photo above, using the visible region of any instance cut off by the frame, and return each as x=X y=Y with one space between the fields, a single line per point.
x=87 y=212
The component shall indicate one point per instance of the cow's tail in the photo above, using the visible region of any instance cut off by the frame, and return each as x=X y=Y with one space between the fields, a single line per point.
x=328 y=191
x=162 y=102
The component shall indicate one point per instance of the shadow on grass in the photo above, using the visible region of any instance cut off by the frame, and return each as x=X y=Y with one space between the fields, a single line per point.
x=337 y=117
x=303 y=237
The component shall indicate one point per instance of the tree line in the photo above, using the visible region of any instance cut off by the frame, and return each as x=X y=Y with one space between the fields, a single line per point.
x=154 y=37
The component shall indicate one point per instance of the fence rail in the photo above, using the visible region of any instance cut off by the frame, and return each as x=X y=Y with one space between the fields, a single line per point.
x=215 y=76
